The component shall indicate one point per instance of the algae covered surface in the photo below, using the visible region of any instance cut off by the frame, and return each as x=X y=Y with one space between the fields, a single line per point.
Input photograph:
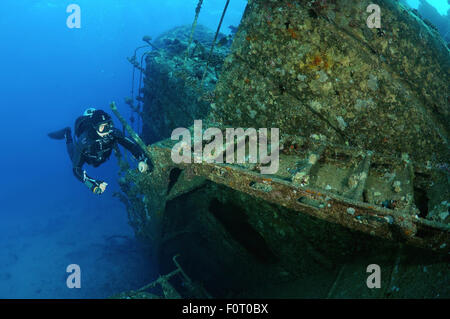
x=172 y=97
x=374 y=99
x=318 y=69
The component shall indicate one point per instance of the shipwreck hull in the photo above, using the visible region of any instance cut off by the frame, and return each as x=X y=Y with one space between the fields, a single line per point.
x=235 y=245
x=362 y=196
x=277 y=227
x=316 y=68
x=363 y=179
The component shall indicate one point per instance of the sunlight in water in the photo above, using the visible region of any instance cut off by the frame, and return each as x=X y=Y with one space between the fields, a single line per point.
x=441 y=6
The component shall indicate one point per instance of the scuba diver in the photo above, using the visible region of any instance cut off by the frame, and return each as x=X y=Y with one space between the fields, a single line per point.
x=95 y=138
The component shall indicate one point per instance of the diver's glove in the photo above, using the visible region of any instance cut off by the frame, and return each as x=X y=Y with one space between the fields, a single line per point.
x=96 y=187
x=97 y=190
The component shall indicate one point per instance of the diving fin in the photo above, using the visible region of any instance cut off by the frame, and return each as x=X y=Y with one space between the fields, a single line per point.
x=61 y=134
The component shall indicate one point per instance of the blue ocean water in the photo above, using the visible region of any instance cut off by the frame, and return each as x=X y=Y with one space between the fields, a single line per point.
x=441 y=6
x=49 y=75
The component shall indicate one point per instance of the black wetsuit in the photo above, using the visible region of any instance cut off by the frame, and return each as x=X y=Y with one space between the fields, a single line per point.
x=90 y=148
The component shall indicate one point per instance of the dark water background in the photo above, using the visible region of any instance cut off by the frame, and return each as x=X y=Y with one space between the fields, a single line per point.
x=49 y=74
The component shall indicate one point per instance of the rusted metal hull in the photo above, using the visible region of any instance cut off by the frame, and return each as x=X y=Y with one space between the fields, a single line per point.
x=377 y=221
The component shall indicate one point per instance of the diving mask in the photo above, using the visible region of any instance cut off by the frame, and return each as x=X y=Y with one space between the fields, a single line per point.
x=105 y=128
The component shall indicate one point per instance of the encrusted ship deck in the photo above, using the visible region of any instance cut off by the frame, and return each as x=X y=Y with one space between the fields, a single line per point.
x=360 y=190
